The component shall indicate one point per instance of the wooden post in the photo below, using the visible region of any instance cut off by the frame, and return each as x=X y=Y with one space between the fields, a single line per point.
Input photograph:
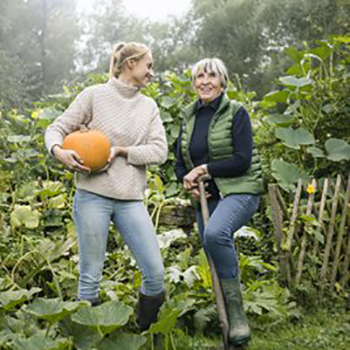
x=294 y=216
x=304 y=237
x=336 y=261
x=345 y=277
x=321 y=212
x=277 y=222
x=331 y=229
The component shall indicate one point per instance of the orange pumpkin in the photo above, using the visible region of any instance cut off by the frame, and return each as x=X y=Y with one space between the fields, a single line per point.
x=92 y=146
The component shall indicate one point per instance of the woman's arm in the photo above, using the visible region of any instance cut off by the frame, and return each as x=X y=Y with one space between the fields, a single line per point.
x=78 y=113
x=155 y=151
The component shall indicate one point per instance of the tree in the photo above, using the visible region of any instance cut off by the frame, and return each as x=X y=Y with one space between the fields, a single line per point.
x=37 y=44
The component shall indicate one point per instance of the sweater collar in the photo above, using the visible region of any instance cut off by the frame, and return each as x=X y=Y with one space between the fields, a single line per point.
x=212 y=104
x=127 y=91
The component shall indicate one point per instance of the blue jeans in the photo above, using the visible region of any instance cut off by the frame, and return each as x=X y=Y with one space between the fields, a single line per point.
x=92 y=215
x=226 y=216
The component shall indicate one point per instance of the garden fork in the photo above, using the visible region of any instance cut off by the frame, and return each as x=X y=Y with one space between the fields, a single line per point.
x=219 y=296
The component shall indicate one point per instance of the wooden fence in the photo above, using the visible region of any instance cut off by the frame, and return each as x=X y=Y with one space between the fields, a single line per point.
x=312 y=232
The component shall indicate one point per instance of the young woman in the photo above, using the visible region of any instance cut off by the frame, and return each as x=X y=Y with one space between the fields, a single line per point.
x=132 y=123
x=216 y=139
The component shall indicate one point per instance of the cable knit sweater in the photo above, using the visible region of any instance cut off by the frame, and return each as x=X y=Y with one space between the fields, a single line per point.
x=129 y=119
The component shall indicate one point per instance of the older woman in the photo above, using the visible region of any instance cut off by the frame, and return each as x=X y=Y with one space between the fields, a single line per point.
x=132 y=123
x=216 y=139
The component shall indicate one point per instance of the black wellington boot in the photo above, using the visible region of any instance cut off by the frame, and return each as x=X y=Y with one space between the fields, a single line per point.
x=239 y=329
x=148 y=307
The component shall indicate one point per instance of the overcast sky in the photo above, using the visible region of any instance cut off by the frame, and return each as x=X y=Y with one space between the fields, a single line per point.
x=156 y=10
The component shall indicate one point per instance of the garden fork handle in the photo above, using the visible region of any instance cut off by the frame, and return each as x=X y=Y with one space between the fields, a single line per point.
x=219 y=297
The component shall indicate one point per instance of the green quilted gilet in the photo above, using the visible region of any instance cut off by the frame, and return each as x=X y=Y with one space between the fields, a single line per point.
x=220 y=148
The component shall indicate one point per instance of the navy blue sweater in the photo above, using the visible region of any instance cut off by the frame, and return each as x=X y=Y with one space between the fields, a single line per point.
x=242 y=142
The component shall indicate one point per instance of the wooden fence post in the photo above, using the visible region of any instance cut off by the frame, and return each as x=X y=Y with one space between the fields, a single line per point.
x=277 y=221
x=321 y=211
x=304 y=237
x=341 y=234
x=330 y=229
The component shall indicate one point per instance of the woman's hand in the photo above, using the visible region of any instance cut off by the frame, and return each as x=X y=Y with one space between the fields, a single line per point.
x=70 y=158
x=196 y=196
x=190 y=180
x=115 y=152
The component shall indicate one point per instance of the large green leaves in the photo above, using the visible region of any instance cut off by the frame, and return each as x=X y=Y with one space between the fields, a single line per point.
x=292 y=81
x=286 y=174
x=52 y=310
x=10 y=299
x=40 y=342
x=106 y=317
x=337 y=150
x=24 y=215
x=293 y=138
x=122 y=341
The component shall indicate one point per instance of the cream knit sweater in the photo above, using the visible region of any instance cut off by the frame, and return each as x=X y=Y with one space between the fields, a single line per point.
x=129 y=119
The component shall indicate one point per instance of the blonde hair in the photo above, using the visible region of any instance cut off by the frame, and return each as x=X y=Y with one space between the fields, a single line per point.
x=123 y=52
x=211 y=65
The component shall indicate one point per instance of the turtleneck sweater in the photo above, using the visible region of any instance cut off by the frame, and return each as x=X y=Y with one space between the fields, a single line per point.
x=129 y=119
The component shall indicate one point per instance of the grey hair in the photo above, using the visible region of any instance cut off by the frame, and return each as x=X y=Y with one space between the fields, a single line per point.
x=211 y=65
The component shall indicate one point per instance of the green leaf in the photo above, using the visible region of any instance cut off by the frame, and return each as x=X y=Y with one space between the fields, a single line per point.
x=295 y=82
x=122 y=341
x=58 y=202
x=293 y=138
x=167 y=238
x=52 y=310
x=84 y=338
x=337 y=150
x=18 y=138
x=108 y=316
x=204 y=270
x=342 y=39
x=40 y=342
x=286 y=174
x=166 y=117
x=167 y=102
x=277 y=96
x=281 y=119
x=316 y=152
x=5 y=336
x=166 y=323
x=10 y=299
x=23 y=215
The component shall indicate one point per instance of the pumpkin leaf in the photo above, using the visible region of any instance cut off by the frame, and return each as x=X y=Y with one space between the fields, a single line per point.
x=18 y=138
x=295 y=82
x=122 y=341
x=107 y=317
x=84 y=338
x=293 y=138
x=316 y=152
x=40 y=342
x=277 y=96
x=286 y=174
x=53 y=310
x=167 y=238
x=23 y=215
x=166 y=322
x=9 y=299
x=167 y=102
x=281 y=119
x=337 y=150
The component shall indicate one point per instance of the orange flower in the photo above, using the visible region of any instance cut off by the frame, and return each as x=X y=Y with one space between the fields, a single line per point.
x=310 y=189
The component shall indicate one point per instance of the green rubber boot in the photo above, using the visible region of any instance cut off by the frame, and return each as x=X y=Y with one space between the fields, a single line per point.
x=239 y=329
